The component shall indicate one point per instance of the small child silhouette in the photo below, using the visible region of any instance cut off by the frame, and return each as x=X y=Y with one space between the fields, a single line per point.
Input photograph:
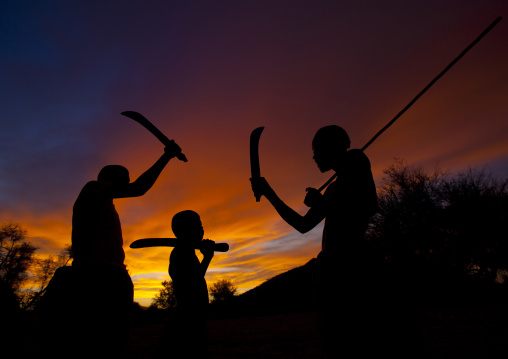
x=185 y=335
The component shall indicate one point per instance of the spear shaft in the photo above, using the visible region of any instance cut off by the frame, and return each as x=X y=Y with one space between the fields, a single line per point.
x=490 y=27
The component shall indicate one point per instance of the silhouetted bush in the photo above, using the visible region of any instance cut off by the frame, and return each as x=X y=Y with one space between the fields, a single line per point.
x=443 y=234
x=165 y=299
x=222 y=290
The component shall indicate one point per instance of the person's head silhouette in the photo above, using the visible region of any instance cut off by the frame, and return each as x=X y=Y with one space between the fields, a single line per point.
x=329 y=145
x=115 y=174
x=187 y=225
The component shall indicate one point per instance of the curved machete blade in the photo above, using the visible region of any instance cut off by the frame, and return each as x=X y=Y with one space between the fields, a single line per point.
x=255 y=171
x=139 y=118
x=154 y=242
x=170 y=242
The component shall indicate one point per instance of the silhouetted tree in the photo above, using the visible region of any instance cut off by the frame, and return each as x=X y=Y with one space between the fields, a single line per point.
x=22 y=273
x=165 y=299
x=222 y=290
x=407 y=226
x=16 y=255
x=441 y=228
x=40 y=273
x=476 y=217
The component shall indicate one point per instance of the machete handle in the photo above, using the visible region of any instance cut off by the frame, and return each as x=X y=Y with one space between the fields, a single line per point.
x=179 y=154
x=221 y=247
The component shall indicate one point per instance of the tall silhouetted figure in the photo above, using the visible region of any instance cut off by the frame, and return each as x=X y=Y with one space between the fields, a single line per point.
x=185 y=334
x=101 y=290
x=349 y=283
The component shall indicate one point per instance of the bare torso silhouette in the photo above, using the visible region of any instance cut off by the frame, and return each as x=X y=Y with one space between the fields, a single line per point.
x=96 y=229
x=348 y=204
x=190 y=287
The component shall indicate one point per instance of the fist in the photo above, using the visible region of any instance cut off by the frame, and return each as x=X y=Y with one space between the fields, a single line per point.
x=173 y=149
x=206 y=247
x=313 y=197
x=259 y=186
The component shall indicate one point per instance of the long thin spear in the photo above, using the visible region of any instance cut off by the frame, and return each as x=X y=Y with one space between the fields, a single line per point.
x=490 y=27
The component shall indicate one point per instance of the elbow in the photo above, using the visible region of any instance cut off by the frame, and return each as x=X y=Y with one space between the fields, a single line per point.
x=303 y=229
x=141 y=193
x=138 y=190
x=301 y=224
x=133 y=194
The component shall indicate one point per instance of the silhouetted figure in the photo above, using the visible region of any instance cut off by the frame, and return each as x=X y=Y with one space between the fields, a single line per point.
x=185 y=334
x=353 y=294
x=92 y=300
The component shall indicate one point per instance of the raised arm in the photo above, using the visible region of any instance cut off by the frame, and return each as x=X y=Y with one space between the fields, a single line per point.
x=302 y=224
x=144 y=182
x=206 y=248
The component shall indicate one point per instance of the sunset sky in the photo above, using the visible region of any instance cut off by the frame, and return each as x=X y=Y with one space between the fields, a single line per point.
x=207 y=73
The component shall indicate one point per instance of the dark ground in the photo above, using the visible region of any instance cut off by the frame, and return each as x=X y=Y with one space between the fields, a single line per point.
x=451 y=333
x=458 y=321
x=284 y=336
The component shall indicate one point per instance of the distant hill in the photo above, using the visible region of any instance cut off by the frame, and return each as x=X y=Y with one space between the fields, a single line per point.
x=288 y=292
x=292 y=292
